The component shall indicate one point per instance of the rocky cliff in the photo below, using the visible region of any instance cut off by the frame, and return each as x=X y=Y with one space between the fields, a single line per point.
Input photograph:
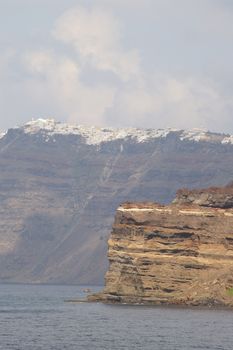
x=216 y=197
x=61 y=184
x=178 y=254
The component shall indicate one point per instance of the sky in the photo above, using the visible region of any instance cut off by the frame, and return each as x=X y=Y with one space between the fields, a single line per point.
x=121 y=63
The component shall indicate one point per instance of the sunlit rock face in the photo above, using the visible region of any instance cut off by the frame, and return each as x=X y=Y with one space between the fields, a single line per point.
x=178 y=254
x=61 y=184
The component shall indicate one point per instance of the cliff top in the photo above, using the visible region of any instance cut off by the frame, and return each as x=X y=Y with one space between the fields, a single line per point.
x=215 y=197
x=95 y=135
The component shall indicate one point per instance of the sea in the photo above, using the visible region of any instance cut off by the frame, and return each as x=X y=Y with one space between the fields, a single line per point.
x=36 y=317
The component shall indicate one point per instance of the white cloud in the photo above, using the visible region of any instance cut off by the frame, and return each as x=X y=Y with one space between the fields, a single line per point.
x=58 y=79
x=89 y=76
x=155 y=101
x=173 y=102
x=38 y=62
x=135 y=98
x=95 y=34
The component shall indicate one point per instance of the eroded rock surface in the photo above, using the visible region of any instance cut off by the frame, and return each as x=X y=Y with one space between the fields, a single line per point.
x=175 y=254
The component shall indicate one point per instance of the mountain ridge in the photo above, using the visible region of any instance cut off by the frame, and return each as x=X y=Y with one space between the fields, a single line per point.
x=58 y=193
x=95 y=135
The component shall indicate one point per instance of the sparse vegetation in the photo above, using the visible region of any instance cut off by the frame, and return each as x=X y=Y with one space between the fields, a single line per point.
x=230 y=291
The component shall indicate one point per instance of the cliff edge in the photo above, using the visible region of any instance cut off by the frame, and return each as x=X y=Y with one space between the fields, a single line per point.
x=179 y=254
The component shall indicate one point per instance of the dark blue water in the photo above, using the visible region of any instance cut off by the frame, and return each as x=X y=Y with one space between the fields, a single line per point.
x=36 y=317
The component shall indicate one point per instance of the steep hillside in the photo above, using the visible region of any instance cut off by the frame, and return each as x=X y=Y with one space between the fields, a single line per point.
x=60 y=186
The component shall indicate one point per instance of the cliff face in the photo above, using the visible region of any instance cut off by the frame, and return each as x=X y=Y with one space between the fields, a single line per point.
x=60 y=186
x=175 y=254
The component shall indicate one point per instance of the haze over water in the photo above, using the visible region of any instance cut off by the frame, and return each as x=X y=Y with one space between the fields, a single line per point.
x=36 y=317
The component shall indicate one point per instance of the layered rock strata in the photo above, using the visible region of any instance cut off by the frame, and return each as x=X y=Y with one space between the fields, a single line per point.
x=175 y=254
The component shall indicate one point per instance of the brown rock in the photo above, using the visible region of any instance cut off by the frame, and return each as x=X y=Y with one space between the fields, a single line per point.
x=176 y=254
x=216 y=197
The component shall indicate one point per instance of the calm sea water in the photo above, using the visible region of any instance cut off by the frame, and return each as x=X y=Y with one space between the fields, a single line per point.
x=36 y=317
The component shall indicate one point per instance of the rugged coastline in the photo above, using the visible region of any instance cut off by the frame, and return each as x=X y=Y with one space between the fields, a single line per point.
x=179 y=254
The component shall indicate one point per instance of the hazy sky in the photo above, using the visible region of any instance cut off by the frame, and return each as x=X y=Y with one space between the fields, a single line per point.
x=142 y=63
